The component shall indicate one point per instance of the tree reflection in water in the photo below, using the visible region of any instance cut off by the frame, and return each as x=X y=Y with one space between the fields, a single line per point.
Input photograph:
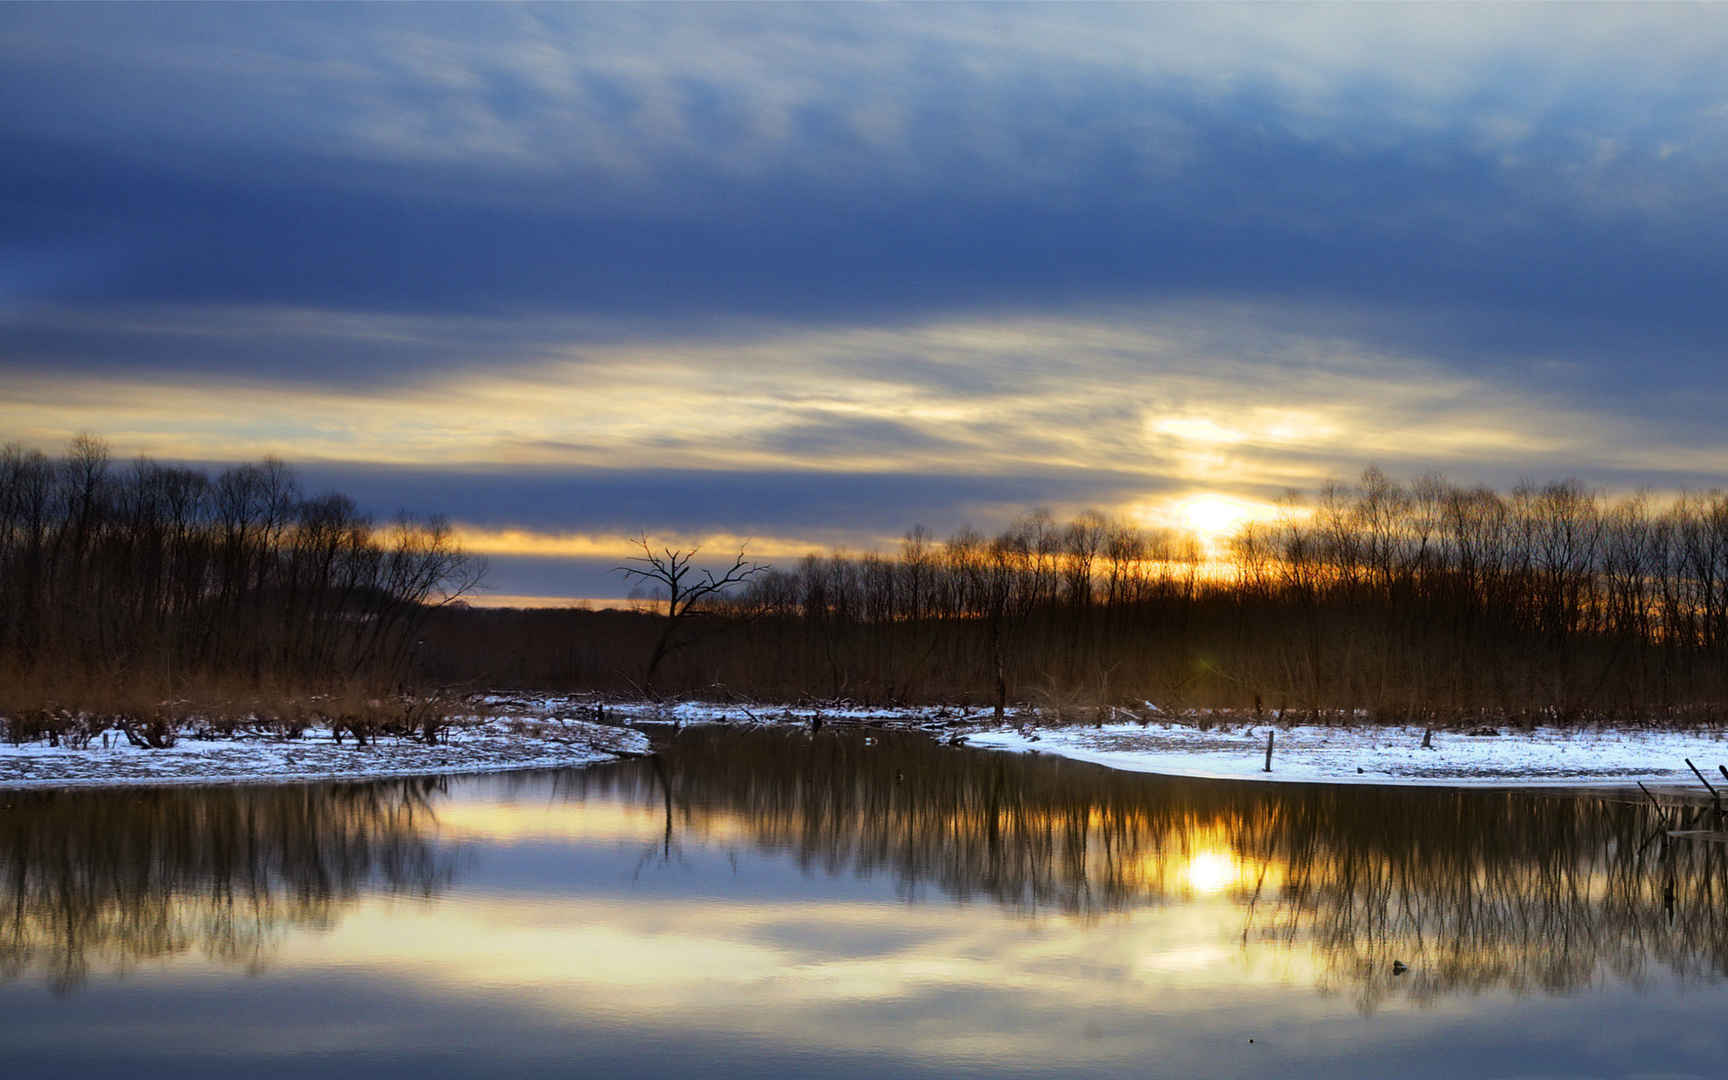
x=1472 y=890
x=109 y=879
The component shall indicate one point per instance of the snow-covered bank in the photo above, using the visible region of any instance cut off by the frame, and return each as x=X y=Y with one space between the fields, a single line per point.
x=491 y=744
x=1227 y=748
x=511 y=731
x=527 y=731
x=759 y=713
x=1382 y=755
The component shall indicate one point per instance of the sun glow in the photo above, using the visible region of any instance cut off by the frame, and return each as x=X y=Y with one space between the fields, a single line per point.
x=1214 y=518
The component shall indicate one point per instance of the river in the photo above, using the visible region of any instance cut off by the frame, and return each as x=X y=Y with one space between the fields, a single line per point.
x=852 y=904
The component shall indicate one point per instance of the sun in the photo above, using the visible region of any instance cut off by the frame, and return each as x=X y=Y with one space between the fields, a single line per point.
x=1214 y=518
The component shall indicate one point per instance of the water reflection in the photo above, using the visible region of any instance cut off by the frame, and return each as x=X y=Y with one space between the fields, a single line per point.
x=1396 y=892
x=104 y=880
x=1471 y=891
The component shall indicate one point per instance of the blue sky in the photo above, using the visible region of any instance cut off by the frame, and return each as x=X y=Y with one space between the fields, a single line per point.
x=813 y=273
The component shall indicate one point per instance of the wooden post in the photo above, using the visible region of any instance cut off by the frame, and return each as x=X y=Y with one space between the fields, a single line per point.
x=1268 y=767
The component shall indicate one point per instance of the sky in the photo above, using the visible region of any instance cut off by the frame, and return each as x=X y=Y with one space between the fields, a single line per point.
x=808 y=275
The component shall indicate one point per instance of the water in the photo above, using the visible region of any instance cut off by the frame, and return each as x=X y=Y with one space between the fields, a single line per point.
x=773 y=903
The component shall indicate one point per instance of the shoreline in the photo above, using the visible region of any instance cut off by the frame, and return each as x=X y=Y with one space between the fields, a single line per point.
x=515 y=731
x=1384 y=756
x=480 y=745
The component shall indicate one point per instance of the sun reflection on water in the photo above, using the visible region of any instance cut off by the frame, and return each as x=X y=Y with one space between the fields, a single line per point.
x=1210 y=872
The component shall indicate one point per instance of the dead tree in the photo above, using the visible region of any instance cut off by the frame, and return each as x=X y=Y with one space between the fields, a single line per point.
x=672 y=570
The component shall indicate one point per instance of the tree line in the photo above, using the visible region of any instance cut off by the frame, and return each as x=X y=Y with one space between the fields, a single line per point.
x=1424 y=601
x=149 y=579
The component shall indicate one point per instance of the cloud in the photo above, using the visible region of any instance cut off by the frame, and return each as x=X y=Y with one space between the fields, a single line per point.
x=1242 y=399
x=864 y=436
x=923 y=262
x=886 y=93
x=837 y=166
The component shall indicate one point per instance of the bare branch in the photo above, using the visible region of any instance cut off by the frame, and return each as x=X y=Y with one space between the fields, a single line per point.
x=672 y=569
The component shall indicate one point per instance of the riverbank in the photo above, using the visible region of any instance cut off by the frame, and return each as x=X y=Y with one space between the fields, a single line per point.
x=1226 y=746
x=509 y=731
x=474 y=745
x=498 y=732
x=1485 y=757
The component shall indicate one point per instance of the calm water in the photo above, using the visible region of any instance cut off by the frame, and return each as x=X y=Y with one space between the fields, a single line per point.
x=775 y=904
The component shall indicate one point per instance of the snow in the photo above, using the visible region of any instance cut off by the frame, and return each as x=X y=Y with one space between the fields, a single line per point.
x=1543 y=757
x=530 y=731
x=514 y=731
x=477 y=744
x=735 y=712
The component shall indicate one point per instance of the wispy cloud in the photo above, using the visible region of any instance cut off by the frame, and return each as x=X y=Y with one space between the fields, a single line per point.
x=1224 y=397
x=880 y=93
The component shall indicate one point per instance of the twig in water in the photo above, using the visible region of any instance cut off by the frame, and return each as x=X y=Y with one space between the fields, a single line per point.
x=1714 y=797
x=1661 y=813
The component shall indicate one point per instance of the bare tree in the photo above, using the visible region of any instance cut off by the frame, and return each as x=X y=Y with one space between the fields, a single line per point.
x=673 y=570
x=122 y=586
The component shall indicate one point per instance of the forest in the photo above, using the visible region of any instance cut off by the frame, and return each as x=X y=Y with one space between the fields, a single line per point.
x=1422 y=602
x=143 y=592
x=150 y=590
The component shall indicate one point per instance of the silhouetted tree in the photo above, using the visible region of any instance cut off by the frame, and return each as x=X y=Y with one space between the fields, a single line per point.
x=671 y=570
